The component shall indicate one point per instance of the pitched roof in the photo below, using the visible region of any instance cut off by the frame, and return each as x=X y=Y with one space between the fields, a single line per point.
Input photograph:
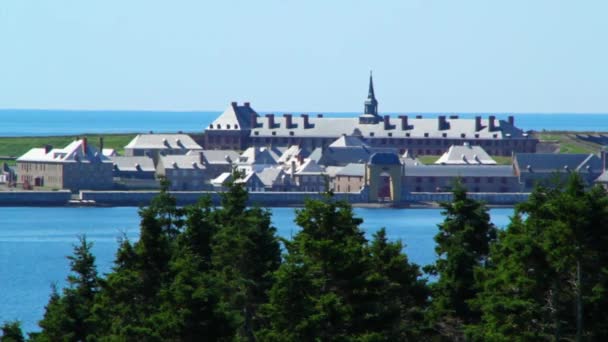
x=122 y=163
x=163 y=141
x=258 y=155
x=235 y=117
x=348 y=141
x=554 y=162
x=74 y=152
x=186 y=162
x=220 y=157
x=417 y=128
x=309 y=167
x=270 y=175
x=466 y=154
x=353 y=169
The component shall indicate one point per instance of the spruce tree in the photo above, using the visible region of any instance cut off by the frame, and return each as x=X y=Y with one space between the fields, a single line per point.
x=11 y=332
x=68 y=316
x=463 y=244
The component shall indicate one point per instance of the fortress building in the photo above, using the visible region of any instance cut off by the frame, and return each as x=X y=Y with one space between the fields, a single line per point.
x=239 y=127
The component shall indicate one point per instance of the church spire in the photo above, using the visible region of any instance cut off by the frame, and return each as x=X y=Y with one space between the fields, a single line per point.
x=371 y=104
x=370 y=94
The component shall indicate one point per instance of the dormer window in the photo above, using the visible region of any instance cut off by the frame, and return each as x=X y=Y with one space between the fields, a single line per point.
x=256 y=133
x=236 y=126
x=228 y=126
x=218 y=126
x=291 y=133
x=371 y=134
x=274 y=133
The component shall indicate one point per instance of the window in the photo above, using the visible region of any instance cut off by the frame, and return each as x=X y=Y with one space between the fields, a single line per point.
x=291 y=133
x=218 y=126
x=256 y=133
x=371 y=134
x=390 y=134
x=274 y=133
x=228 y=126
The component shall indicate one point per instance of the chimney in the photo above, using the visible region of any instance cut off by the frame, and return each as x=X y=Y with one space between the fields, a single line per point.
x=270 y=118
x=404 y=124
x=441 y=122
x=47 y=148
x=233 y=104
x=247 y=104
x=387 y=122
x=603 y=155
x=254 y=120
x=511 y=120
x=101 y=145
x=319 y=115
x=293 y=168
x=84 y=145
x=478 y=126
x=492 y=124
x=201 y=158
x=305 y=120
x=288 y=120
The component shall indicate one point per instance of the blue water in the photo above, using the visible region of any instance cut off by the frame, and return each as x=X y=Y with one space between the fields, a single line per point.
x=34 y=243
x=61 y=122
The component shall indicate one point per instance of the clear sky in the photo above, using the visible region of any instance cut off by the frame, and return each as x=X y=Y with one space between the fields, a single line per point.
x=426 y=55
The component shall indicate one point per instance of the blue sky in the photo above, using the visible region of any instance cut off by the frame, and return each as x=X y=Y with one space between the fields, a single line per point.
x=427 y=56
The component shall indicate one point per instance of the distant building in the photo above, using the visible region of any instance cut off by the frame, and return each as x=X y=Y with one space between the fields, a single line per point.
x=350 y=178
x=465 y=155
x=217 y=162
x=239 y=127
x=546 y=168
x=78 y=166
x=134 y=172
x=184 y=172
x=475 y=178
x=255 y=159
x=154 y=145
x=308 y=177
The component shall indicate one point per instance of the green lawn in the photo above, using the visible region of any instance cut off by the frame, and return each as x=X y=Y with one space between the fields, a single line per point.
x=16 y=146
x=431 y=159
x=568 y=142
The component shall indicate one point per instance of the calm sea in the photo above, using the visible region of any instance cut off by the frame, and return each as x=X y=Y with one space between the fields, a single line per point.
x=34 y=243
x=61 y=122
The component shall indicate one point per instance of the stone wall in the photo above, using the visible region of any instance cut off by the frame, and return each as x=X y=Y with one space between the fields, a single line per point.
x=507 y=198
x=35 y=198
x=143 y=198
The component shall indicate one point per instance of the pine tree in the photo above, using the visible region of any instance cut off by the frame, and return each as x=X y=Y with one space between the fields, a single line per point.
x=11 y=332
x=463 y=244
x=334 y=286
x=68 y=316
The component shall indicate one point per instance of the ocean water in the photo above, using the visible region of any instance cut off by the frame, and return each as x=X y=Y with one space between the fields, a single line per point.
x=73 y=122
x=34 y=243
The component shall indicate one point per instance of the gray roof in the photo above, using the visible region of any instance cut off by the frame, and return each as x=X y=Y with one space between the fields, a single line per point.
x=145 y=164
x=417 y=128
x=259 y=155
x=459 y=171
x=385 y=158
x=348 y=141
x=235 y=117
x=352 y=169
x=163 y=141
x=553 y=162
x=219 y=156
x=466 y=154
x=270 y=175
x=345 y=155
x=78 y=151
x=185 y=162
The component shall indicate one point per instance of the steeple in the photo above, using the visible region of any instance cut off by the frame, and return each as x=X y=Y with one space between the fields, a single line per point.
x=370 y=113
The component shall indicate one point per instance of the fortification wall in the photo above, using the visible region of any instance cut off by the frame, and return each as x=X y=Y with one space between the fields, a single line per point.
x=35 y=198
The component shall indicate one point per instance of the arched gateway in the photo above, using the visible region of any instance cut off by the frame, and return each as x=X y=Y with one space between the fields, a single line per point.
x=384 y=172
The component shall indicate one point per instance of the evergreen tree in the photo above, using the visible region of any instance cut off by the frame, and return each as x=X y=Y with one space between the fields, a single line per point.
x=245 y=253
x=68 y=316
x=463 y=244
x=334 y=286
x=11 y=332
x=548 y=273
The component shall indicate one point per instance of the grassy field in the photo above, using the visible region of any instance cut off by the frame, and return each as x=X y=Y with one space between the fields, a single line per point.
x=568 y=142
x=500 y=160
x=16 y=146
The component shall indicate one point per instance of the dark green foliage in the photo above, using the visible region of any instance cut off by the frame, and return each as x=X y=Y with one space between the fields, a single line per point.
x=463 y=244
x=11 y=332
x=548 y=273
x=68 y=315
x=334 y=286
